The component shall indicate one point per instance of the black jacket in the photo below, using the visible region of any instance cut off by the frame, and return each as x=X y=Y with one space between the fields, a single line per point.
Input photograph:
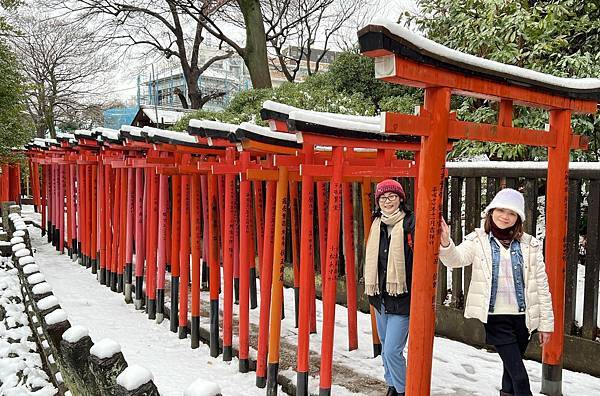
x=399 y=305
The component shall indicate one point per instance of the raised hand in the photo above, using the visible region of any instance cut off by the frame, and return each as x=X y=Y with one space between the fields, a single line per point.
x=445 y=233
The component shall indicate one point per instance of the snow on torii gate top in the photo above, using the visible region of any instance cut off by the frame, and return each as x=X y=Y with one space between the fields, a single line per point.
x=285 y=118
x=383 y=38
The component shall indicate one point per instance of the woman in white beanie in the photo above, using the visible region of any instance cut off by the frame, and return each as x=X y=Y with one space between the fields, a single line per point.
x=509 y=290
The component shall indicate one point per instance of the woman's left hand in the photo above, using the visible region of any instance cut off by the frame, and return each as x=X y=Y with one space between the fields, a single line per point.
x=544 y=337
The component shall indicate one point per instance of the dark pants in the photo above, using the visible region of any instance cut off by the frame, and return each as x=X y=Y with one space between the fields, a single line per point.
x=509 y=335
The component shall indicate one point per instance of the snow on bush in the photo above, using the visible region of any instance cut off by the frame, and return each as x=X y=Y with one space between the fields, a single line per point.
x=134 y=376
x=202 y=387
x=21 y=371
x=105 y=348
x=75 y=333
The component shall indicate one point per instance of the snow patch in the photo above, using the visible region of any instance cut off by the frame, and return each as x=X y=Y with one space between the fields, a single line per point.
x=134 y=376
x=56 y=317
x=107 y=133
x=22 y=253
x=75 y=333
x=47 y=303
x=214 y=125
x=325 y=119
x=41 y=288
x=19 y=233
x=287 y=109
x=26 y=260
x=16 y=240
x=36 y=278
x=180 y=136
x=267 y=132
x=18 y=246
x=105 y=348
x=30 y=268
x=202 y=387
x=135 y=131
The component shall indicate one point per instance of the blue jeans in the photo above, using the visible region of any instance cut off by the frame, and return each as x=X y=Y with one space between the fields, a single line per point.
x=393 y=333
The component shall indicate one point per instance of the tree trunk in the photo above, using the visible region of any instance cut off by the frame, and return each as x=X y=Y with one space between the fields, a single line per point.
x=40 y=130
x=192 y=76
x=255 y=54
x=195 y=98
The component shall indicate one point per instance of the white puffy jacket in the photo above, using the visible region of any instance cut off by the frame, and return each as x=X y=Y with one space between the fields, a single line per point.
x=476 y=250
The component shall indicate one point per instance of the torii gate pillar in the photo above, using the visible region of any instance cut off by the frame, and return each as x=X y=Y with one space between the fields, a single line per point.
x=426 y=250
x=556 y=246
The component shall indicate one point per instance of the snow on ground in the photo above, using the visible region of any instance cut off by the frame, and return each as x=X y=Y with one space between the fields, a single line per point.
x=21 y=370
x=171 y=360
x=458 y=369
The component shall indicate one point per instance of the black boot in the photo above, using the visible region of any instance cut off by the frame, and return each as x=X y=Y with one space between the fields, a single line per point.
x=391 y=391
x=502 y=393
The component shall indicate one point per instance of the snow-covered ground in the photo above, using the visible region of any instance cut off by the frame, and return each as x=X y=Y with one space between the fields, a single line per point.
x=458 y=369
x=21 y=370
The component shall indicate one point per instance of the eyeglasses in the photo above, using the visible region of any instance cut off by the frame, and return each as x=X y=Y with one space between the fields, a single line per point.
x=386 y=198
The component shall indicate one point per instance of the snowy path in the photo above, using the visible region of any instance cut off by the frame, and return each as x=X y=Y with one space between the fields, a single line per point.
x=458 y=369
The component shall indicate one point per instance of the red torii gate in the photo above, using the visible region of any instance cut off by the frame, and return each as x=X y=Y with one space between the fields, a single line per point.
x=10 y=182
x=277 y=115
x=344 y=136
x=402 y=57
x=265 y=143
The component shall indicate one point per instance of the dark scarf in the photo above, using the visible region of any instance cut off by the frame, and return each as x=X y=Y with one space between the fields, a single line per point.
x=505 y=236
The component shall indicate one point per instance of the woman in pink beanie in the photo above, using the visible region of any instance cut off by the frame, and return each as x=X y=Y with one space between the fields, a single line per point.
x=509 y=290
x=387 y=275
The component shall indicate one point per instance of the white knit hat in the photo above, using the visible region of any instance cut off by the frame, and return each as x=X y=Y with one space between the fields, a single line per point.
x=508 y=199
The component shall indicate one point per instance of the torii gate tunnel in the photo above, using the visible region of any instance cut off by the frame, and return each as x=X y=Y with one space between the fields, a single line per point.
x=210 y=205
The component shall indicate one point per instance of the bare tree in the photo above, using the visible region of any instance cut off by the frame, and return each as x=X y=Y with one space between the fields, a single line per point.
x=302 y=31
x=163 y=27
x=249 y=17
x=63 y=67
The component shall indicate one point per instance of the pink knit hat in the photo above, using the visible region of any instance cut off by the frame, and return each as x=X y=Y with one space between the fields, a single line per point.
x=389 y=185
